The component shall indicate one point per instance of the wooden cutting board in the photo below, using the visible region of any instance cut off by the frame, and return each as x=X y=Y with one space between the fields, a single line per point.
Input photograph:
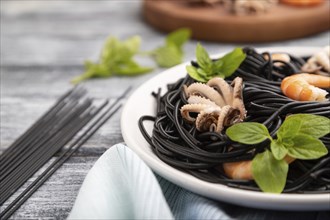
x=282 y=22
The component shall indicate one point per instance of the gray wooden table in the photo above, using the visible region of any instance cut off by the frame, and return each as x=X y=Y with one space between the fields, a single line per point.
x=43 y=46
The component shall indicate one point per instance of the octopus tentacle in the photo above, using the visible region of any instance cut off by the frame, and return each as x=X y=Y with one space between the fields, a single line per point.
x=228 y=116
x=238 y=97
x=319 y=63
x=205 y=91
x=224 y=112
x=279 y=57
x=323 y=60
x=207 y=121
x=197 y=108
x=223 y=88
x=194 y=99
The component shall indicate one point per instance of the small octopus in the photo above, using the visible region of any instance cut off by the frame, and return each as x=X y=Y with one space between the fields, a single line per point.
x=216 y=103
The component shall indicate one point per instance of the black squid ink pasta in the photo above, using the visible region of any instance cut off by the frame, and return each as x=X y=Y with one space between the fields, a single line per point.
x=201 y=154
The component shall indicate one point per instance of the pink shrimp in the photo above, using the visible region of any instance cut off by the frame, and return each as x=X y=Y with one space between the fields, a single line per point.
x=242 y=170
x=304 y=87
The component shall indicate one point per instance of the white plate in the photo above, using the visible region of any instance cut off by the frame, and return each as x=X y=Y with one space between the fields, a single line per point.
x=142 y=103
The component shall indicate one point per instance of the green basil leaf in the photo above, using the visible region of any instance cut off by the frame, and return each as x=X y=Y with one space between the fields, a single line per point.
x=192 y=71
x=269 y=174
x=289 y=128
x=202 y=73
x=92 y=70
x=178 y=37
x=248 y=132
x=278 y=149
x=171 y=53
x=218 y=65
x=203 y=58
x=221 y=75
x=167 y=56
x=231 y=61
x=110 y=53
x=132 y=45
x=223 y=67
x=126 y=50
x=313 y=125
x=306 y=147
x=131 y=68
x=116 y=58
x=288 y=142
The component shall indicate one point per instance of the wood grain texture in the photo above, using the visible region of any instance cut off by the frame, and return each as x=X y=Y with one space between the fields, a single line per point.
x=43 y=46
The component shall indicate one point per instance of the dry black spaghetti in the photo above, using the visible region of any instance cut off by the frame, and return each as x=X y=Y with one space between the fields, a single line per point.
x=180 y=145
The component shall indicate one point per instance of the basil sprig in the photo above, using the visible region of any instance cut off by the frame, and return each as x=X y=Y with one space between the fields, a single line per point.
x=223 y=67
x=171 y=53
x=118 y=56
x=298 y=137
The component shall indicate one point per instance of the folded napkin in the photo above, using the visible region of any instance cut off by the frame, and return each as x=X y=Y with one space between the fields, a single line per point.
x=121 y=186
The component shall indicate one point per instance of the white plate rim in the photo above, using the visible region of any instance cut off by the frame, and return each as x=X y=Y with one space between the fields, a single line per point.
x=136 y=106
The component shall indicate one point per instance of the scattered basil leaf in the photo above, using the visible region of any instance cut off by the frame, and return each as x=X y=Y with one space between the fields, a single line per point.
x=178 y=37
x=307 y=147
x=92 y=70
x=116 y=59
x=171 y=53
x=96 y=69
x=131 y=68
x=167 y=56
x=248 y=133
x=116 y=52
x=278 y=149
x=269 y=173
x=313 y=125
x=223 y=67
x=133 y=45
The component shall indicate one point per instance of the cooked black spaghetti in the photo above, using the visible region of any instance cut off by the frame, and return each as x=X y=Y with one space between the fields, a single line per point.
x=180 y=145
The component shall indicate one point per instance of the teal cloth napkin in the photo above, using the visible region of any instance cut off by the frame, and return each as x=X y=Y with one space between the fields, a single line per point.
x=121 y=186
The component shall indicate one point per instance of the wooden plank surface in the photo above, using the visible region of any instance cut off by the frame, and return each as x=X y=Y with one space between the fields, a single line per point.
x=43 y=46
